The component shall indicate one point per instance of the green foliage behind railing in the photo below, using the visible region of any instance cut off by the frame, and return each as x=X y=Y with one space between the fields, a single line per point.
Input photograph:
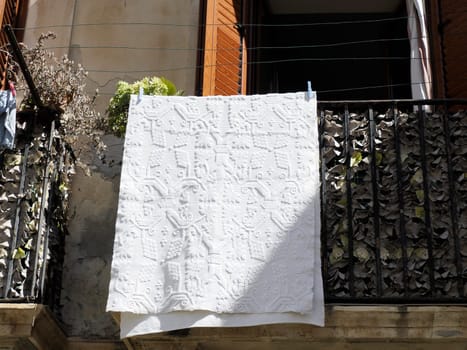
x=119 y=103
x=33 y=202
x=399 y=220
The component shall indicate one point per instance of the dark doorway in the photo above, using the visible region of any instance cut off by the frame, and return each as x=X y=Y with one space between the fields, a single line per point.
x=346 y=56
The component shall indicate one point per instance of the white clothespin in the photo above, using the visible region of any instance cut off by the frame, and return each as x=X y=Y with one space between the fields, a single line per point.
x=309 y=93
x=140 y=94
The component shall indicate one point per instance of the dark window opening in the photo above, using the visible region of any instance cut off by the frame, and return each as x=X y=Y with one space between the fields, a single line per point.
x=286 y=57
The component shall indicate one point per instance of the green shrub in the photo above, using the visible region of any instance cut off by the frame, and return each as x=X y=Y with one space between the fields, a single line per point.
x=120 y=102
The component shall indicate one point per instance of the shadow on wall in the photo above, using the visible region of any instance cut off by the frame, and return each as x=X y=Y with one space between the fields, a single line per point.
x=86 y=273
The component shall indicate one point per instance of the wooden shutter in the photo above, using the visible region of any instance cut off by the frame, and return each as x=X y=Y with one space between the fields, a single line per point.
x=449 y=32
x=224 y=64
x=9 y=10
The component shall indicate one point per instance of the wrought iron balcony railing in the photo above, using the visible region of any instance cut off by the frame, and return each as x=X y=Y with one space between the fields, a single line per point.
x=32 y=207
x=394 y=201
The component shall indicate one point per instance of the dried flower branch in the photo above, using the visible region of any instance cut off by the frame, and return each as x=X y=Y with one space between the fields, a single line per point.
x=62 y=87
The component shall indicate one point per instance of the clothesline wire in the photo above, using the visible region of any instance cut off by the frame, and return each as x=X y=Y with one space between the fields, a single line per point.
x=373 y=87
x=343 y=43
x=288 y=60
x=255 y=48
x=165 y=70
x=300 y=59
x=344 y=89
x=361 y=21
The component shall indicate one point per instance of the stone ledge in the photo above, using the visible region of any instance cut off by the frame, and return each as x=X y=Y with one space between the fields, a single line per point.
x=76 y=343
x=344 y=325
x=33 y=327
x=31 y=323
x=347 y=327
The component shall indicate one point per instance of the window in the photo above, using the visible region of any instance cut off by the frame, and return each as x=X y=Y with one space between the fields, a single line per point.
x=347 y=52
x=260 y=46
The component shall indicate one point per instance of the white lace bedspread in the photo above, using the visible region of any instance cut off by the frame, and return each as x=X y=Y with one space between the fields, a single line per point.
x=218 y=213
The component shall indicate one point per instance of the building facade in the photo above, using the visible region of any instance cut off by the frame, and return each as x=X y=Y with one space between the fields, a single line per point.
x=361 y=51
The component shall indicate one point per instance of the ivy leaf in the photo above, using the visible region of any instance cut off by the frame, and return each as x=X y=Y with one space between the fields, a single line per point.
x=28 y=244
x=417 y=178
x=12 y=160
x=336 y=254
x=421 y=253
x=356 y=159
x=342 y=228
x=362 y=254
x=379 y=158
x=342 y=202
x=19 y=253
x=420 y=195
x=420 y=212
x=63 y=187
x=32 y=226
x=344 y=240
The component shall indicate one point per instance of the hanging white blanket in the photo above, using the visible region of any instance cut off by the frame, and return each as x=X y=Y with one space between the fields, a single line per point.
x=218 y=220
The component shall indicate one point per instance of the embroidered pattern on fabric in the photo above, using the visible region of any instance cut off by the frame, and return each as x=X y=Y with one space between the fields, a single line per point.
x=217 y=206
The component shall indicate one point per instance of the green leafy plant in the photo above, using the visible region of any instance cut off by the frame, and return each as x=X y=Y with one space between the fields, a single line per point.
x=120 y=102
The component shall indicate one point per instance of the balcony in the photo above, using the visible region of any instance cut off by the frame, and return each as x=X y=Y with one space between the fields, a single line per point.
x=32 y=238
x=394 y=228
x=393 y=234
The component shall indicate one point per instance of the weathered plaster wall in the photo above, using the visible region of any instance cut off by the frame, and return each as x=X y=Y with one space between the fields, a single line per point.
x=121 y=39
x=88 y=256
x=50 y=16
x=86 y=30
x=140 y=31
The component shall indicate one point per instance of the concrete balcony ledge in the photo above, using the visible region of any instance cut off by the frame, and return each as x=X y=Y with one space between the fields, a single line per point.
x=32 y=327
x=29 y=326
x=347 y=327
